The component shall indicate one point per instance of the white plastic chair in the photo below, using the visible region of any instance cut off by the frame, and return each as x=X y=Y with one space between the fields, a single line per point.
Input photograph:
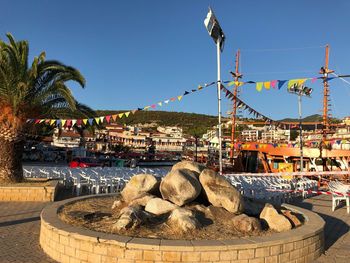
x=338 y=187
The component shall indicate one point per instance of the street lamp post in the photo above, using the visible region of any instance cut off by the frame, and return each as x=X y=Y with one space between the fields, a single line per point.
x=300 y=90
x=215 y=31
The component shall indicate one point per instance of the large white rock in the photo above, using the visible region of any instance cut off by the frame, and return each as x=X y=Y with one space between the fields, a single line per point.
x=220 y=192
x=129 y=217
x=141 y=200
x=183 y=219
x=193 y=166
x=275 y=220
x=139 y=185
x=180 y=186
x=246 y=224
x=159 y=206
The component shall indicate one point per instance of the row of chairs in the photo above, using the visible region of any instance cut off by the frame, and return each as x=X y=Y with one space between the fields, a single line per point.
x=274 y=189
x=94 y=180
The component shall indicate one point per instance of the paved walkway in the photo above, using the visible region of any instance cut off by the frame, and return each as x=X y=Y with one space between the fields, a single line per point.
x=337 y=235
x=19 y=232
x=20 y=225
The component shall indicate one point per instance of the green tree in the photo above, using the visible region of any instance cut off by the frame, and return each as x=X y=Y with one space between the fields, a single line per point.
x=28 y=91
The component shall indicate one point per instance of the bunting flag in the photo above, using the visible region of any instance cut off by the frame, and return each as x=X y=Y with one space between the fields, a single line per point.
x=273 y=83
x=247 y=107
x=52 y=122
x=186 y=93
x=63 y=122
x=85 y=121
x=97 y=120
x=102 y=119
x=267 y=84
x=160 y=104
x=259 y=86
x=166 y=101
x=74 y=122
x=120 y=115
x=108 y=118
x=127 y=114
x=179 y=97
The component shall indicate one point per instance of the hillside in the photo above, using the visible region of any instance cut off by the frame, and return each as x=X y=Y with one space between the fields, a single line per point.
x=192 y=123
x=311 y=118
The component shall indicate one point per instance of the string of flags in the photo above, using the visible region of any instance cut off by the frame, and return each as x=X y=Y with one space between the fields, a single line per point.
x=113 y=117
x=242 y=104
x=275 y=84
x=262 y=146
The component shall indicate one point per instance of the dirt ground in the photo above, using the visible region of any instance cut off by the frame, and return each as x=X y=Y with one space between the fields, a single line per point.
x=96 y=214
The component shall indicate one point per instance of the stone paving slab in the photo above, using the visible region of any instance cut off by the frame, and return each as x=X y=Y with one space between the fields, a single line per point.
x=19 y=232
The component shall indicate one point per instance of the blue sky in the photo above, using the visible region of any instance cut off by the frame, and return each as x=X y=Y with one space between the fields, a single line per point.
x=136 y=53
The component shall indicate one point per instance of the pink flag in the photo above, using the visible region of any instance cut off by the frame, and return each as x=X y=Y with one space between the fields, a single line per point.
x=108 y=118
x=273 y=83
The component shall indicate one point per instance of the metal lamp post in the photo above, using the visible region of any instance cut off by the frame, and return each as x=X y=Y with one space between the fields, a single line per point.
x=215 y=31
x=300 y=90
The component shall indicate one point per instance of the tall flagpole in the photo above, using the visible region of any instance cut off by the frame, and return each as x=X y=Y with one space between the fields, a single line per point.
x=215 y=31
x=219 y=102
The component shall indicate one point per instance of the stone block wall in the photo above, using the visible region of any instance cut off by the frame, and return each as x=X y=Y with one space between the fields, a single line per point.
x=66 y=243
x=29 y=193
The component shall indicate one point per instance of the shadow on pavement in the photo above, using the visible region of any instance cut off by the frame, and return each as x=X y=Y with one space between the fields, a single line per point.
x=335 y=228
x=19 y=221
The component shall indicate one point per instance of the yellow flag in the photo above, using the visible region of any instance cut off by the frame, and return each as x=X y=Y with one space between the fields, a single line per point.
x=200 y=87
x=160 y=103
x=301 y=81
x=179 y=97
x=121 y=115
x=127 y=114
x=63 y=122
x=267 y=84
x=52 y=122
x=97 y=119
x=259 y=86
x=42 y=120
x=85 y=121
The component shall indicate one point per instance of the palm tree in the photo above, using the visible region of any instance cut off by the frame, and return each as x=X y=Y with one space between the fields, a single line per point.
x=36 y=91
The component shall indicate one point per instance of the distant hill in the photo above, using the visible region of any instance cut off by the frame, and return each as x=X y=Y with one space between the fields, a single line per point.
x=311 y=118
x=192 y=123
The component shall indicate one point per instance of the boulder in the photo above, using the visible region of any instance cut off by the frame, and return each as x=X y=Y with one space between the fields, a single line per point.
x=117 y=204
x=159 y=206
x=246 y=224
x=139 y=185
x=293 y=219
x=180 y=186
x=274 y=220
x=193 y=166
x=141 y=200
x=130 y=217
x=220 y=192
x=183 y=219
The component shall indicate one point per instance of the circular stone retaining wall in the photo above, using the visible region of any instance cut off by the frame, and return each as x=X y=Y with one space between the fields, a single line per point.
x=66 y=243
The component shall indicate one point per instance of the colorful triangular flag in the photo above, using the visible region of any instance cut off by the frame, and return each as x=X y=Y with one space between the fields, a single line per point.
x=267 y=84
x=259 y=86
x=108 y=118
x=179 y=97
x=127 y=114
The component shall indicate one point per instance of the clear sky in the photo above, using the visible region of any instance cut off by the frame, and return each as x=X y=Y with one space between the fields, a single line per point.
x=136 y=53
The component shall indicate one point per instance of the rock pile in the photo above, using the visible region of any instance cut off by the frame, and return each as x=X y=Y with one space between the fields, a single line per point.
x=186 y=195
